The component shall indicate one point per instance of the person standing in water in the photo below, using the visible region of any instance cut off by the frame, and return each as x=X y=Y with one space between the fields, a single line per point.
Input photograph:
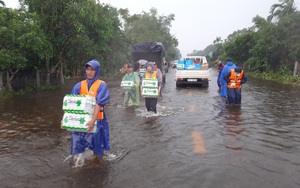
x=220 y=66
x=235 y=78
x=151 y=102
x=99 y=141
x=228 y=66
x=133 y=93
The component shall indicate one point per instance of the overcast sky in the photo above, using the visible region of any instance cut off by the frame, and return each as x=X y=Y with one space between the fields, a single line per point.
x=198 y=22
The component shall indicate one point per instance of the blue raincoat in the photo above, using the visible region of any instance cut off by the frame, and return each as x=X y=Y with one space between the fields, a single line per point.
x=229 y=65
x=99 y=141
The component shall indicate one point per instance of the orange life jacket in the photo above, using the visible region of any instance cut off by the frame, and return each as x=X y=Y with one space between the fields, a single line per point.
x=235 y=81
x=92 y=92
x=153 y=76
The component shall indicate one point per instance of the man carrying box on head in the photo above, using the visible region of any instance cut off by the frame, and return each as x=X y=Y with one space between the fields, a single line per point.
x=131 y=83
x=150 y=86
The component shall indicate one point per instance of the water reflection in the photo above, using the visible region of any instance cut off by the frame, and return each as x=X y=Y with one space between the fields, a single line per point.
x=232 y=126
x=93 y=174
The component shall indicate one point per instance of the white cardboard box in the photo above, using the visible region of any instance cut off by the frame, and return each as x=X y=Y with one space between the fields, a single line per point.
x=150 y=92
x=77 y=121
x=150 y=83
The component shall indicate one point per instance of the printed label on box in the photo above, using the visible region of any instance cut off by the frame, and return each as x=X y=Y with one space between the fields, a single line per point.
x=150 y=92
x=151 y=83
x=127 y=84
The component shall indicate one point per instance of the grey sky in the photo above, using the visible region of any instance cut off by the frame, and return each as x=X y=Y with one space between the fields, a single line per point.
x=198 y=22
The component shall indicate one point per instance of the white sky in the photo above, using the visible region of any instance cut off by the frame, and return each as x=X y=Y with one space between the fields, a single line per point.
x=198 y=22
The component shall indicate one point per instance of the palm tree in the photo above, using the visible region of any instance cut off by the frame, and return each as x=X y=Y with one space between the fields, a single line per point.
x=285 y=8
x=2 y=3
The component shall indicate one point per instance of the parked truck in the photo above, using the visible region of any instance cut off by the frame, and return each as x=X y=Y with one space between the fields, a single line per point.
x=149 y=51
x=192 y=70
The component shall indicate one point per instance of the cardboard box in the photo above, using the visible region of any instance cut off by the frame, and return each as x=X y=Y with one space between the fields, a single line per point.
x=76 y=121
x=149 y=83
x=79 y=103
x=150 y=92
x=127 y=84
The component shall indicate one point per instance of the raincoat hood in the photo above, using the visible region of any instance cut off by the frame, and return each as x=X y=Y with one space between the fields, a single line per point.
x=229 y=63
x=95 y=64
x=152 y=65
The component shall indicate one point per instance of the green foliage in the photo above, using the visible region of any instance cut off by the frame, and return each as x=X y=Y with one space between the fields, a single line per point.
x=282 y=77
x=270 y=46
x=239 y=49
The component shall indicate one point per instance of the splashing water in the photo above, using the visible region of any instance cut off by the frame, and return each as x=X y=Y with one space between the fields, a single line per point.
x=161 y=111
x=80 y=158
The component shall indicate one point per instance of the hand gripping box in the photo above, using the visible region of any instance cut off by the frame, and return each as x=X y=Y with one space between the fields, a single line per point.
x=76 y=121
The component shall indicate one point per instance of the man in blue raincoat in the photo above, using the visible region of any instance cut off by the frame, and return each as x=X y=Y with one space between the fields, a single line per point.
x=229 y=65
x=99 y=141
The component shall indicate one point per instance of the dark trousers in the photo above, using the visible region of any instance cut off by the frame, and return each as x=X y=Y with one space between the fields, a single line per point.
x=151 y=104
x=234 y=96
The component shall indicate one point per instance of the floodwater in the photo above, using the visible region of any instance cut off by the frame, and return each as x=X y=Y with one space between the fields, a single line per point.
x=195 y=140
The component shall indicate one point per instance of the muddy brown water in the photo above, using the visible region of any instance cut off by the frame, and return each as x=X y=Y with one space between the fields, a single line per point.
x=256 y=144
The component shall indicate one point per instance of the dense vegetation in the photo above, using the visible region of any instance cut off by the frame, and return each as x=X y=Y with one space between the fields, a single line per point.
x=49 y=40
x=55 y=38
x=269 y=48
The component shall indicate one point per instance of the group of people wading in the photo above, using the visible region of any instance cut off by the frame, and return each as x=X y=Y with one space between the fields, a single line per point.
x=132 y=94
x=230 y=80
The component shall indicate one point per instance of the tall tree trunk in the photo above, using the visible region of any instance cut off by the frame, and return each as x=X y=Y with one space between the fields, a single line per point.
x=48 y=71
x=10 y=76
x=38 y=78
x=1 y=81
x=296 y=67
x=61 y=75
x=9 y=88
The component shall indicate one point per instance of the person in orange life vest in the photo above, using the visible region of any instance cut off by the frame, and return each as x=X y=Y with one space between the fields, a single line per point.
x=99 y=141
x=235 y=78
x=151 y=74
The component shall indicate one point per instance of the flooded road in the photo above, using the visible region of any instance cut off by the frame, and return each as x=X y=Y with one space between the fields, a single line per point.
x=195 y=140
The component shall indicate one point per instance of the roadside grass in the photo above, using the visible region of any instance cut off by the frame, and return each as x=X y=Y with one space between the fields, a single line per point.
x=278 y=77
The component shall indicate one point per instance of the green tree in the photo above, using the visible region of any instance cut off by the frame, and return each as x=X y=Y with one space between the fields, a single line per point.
x=12 y=56
x=78 y=30
x=239 y=49
x=2 y=3
x=282 y=9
